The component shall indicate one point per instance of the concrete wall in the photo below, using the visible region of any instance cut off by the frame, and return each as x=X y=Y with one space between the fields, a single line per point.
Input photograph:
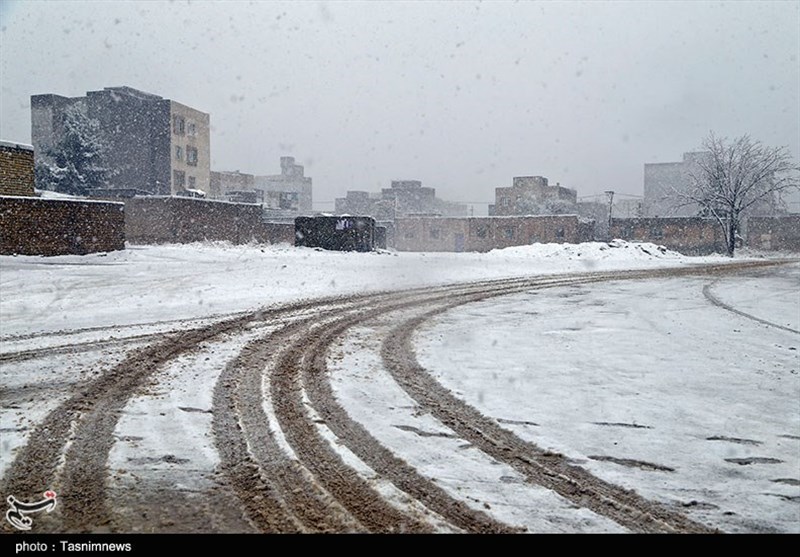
x=687 y=235
x=156 y=220
x=774 y=233
x=486 y=233
x=16 y=169
x=34 y=226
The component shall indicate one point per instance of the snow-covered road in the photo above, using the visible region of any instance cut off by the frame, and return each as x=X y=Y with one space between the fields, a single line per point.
x=684 y=389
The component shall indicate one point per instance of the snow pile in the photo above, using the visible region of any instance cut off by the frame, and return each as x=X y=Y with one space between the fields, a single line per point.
x=616 y=250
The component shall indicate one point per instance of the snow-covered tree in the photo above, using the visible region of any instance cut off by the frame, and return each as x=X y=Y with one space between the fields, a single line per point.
x=77 y=164
x=735 y=177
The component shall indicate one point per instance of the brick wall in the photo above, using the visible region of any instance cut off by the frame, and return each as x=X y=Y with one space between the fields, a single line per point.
x=16 y=169
x=157 y=220
x=34 y=226
x=687 y=235
x=774 y=233
x=486 y=233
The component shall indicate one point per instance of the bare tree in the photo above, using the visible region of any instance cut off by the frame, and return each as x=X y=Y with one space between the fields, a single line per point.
x=734 y=177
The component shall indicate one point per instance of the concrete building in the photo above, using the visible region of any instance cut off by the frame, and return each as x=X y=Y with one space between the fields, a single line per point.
x=402 y=198
x=531 y=195
x=235 y=186
x=287 y=194
x=151 y=144
x=16 y=169
x=664 y=181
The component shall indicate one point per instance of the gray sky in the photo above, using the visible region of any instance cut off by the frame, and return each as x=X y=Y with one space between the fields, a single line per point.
x=460 y=95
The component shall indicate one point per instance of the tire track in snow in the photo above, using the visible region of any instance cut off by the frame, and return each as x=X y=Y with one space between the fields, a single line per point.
x=69 y=449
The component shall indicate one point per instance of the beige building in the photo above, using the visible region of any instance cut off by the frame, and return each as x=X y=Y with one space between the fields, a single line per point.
x=191 y=149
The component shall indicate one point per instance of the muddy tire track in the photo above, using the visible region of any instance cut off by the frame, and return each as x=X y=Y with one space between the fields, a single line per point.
x=68 y=451
x=536 y=464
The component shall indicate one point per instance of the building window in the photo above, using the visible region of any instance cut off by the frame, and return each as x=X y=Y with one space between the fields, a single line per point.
x=560 y=233
x=481 y=232
x=192 y=182
x=178 y=125
x=179 y=179
x=191 y=156
x=504 y=202
x=191 y=128
x=178 y=153
x=508 y=233
x=656 y=233
x=435 y=233
x=289 y=200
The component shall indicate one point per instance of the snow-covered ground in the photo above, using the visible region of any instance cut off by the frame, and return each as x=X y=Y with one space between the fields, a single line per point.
x=706 y=401
x=144 y=284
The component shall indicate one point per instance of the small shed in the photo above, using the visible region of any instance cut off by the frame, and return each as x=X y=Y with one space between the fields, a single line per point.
x=339 y=233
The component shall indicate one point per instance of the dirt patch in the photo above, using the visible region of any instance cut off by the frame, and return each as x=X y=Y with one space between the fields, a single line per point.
x=168 y=458
x=787 y=481
x=631 y=463
x=422 y=433
x=622 y=424
x=753 y=460
x=191 y=409
x=736 y=440
x=516 y=422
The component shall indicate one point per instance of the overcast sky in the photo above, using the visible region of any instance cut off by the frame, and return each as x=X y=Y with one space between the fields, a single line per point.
x=461 y=95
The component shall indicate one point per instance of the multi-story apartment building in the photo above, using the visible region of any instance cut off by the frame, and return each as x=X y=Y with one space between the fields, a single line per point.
x=531 y=195
x=151 y=144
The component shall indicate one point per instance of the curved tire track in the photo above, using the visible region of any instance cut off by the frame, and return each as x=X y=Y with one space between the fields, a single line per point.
x=719 y=303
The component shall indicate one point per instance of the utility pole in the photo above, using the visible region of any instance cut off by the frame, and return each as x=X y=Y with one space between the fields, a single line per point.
x=610 y=196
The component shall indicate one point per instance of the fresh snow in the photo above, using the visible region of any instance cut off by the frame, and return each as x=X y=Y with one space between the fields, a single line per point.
x=642 y=370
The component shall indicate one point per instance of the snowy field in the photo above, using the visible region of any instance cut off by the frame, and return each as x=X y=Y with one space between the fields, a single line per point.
x=646 y=384
x=144 y=284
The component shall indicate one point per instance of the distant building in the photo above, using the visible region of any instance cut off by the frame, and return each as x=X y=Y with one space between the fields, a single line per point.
x=665 y=181
x=152 y=144
x=287 y=194
x=403 y=198
x=599 y=213
x=16 y=169
x=531 y=195
x=235 y=186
